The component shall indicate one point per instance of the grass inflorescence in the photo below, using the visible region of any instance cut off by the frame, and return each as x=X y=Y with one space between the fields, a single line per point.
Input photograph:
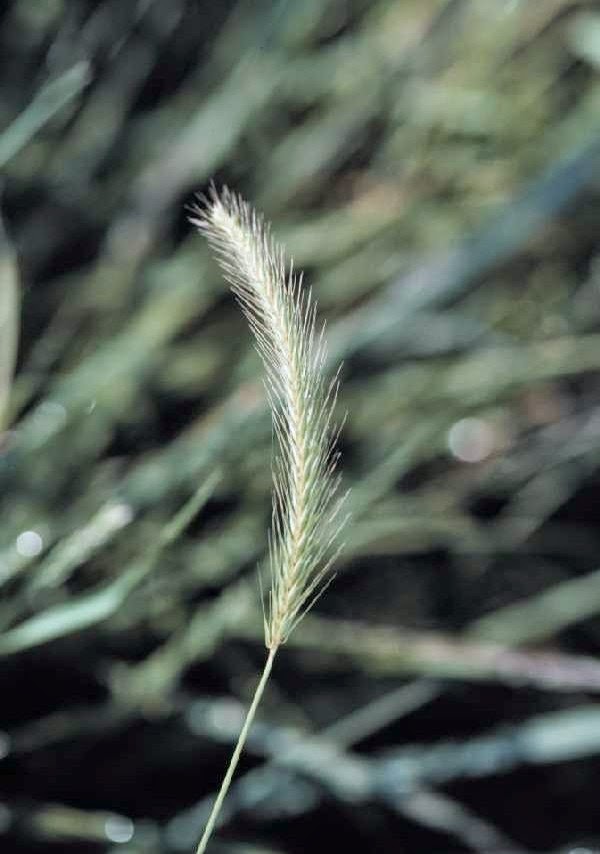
x=306 y=518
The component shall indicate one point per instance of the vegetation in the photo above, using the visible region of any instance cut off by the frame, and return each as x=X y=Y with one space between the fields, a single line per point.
x=432 y=167
x=306 y=515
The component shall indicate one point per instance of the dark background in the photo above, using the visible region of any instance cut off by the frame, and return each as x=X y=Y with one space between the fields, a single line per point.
x=434 y=168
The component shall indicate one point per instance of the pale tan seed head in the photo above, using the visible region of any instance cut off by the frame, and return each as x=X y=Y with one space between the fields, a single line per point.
x=282 y=315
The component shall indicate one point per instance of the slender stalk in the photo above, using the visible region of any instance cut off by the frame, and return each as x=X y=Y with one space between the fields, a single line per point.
x=210 y=824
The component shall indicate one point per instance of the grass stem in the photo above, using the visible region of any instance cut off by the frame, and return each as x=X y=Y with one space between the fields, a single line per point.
x=214 y=813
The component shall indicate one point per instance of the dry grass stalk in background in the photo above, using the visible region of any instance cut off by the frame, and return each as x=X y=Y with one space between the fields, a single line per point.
x=9 y=322
x=306 y=509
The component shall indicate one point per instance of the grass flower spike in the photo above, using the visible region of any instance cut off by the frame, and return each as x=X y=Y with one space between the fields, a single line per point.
x=306 y=508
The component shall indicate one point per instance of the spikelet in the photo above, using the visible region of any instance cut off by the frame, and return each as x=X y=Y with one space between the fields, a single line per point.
x=282 y=315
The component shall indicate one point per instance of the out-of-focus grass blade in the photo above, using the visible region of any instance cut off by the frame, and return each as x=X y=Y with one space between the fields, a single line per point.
x=71 y=616
x=46 y=103
x=9 y=321
x=93 y=608
x=177 y=525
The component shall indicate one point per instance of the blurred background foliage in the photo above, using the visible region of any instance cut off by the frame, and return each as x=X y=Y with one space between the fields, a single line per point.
x=434 y=167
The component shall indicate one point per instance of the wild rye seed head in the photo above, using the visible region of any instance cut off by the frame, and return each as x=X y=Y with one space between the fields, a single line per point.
x=282 y=315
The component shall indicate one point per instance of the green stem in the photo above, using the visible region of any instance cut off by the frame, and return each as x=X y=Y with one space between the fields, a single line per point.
x=214 y=813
